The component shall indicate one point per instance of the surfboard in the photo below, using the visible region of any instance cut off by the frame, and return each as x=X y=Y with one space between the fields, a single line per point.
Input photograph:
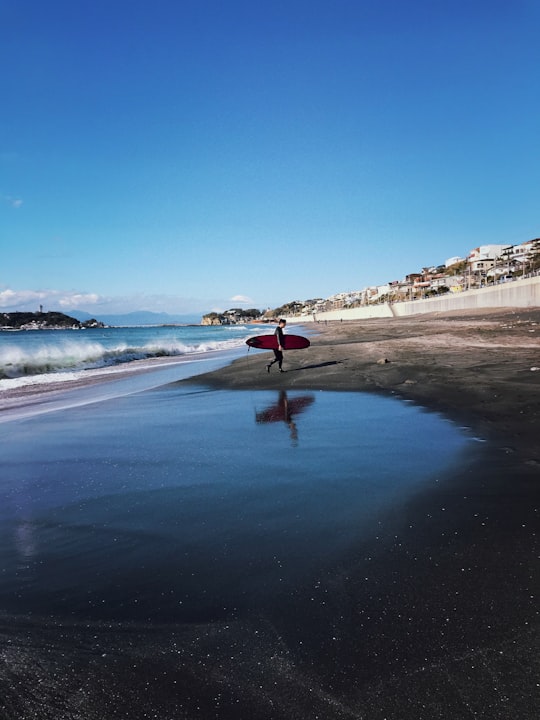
x=269 y=342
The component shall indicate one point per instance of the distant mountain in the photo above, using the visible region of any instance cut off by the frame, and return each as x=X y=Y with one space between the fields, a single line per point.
x=80 y=315
x=141 y=317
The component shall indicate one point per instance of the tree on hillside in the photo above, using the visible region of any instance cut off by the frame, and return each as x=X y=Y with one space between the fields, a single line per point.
x=213 y=317
x=292 y=308
x=457 y=269
x=252 y=313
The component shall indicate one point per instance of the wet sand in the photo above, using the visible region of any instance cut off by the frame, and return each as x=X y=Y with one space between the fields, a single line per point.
x=434 y=615
x=444 y=606
x=476 y=368
x=95 y=386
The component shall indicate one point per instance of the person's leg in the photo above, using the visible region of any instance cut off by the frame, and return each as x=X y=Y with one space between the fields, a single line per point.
x=277 y=353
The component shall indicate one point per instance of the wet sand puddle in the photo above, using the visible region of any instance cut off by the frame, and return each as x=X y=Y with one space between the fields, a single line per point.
x=199 y=505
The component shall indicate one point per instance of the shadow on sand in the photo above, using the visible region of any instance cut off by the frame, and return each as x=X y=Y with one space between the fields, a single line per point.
x=319 y=365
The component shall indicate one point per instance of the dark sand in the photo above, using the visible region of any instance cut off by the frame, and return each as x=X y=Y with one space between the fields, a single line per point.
x=434 y=616
x=446 y=611
x=476 y=368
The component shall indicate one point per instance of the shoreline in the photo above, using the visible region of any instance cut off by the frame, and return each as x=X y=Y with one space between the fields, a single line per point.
x=479 y=368
x=95 y=385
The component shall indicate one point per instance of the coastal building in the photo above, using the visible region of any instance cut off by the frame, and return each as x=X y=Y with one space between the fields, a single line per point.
x=522 y=254
x=381 y=291
x=483 y=258
x=484 y=265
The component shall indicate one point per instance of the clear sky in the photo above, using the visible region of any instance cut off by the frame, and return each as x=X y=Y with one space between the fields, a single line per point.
x=194 y=155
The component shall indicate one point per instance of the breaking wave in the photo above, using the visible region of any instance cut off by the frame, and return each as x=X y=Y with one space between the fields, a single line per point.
x=16 y=362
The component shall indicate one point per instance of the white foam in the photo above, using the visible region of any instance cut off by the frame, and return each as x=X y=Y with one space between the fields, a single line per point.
x=73 y=357
x=45 y=379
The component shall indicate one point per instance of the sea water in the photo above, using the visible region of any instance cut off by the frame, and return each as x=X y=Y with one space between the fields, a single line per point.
x=37 y=356
x=187 y=504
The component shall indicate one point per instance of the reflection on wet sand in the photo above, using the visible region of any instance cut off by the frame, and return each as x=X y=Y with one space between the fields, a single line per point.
x=284 y=410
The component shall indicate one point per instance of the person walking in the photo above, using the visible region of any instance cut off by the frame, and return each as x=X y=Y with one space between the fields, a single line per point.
x=278 y=353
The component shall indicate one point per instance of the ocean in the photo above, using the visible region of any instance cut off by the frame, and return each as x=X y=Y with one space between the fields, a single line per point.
x=29 y=357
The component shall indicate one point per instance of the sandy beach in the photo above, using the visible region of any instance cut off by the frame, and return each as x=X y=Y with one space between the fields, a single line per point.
x=460 y=596
x=430 y=613
x=480 y=368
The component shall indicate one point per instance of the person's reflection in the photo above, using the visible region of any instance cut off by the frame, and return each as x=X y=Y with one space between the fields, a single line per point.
x=284 y=410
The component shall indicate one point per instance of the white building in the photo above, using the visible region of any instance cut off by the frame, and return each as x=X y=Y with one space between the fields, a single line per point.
x=484 y=257
x=522 y=253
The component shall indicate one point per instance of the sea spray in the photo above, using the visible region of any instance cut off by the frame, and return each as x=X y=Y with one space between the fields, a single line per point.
x=33 y=354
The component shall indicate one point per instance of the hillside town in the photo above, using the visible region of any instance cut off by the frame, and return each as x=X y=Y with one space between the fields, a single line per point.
x=484 y=266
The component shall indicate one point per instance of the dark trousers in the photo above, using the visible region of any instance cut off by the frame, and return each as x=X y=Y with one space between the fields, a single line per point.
x=278 y=357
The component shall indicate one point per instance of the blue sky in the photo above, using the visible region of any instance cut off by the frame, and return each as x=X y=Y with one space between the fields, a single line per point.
x=192 y=155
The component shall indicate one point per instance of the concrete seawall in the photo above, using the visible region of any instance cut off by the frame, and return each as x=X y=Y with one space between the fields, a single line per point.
x=517 y=293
